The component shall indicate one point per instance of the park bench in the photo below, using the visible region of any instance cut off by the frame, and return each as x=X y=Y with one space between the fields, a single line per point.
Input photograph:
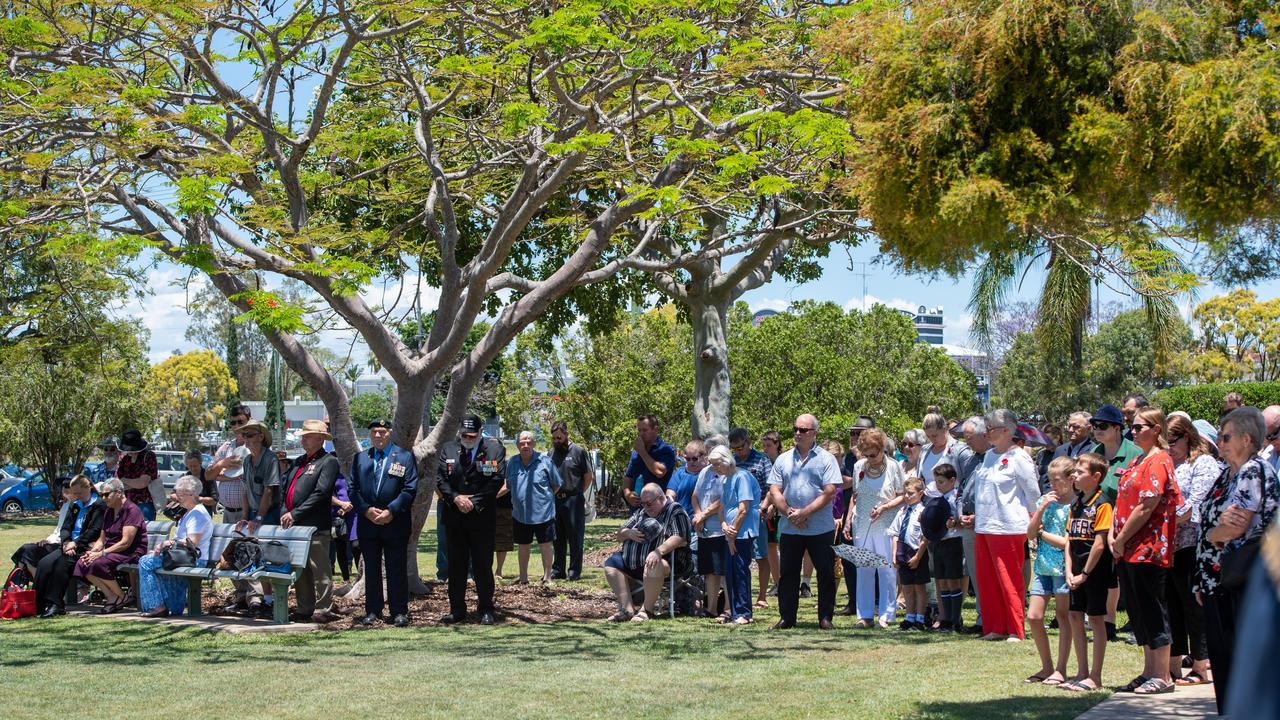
x=296 y=539
x=157 y=532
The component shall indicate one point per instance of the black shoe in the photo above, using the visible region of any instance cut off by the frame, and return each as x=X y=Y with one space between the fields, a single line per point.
x=805 y=591
x=972 y=630
x=782 y=625
x=400 y=620
x=451 y=618
x=575 y=577
x=945 y=627
x=558 y=575
x=299 y=617
x=234 y=607
x=254 y=610
x=1111 y=632
x=368 y=620
x=906 y=626
x=488 y=619
x=157 y=613
x=848 y=611
x=825 y=624
x=266 y=612
x=1053 y=625
x=52 y=611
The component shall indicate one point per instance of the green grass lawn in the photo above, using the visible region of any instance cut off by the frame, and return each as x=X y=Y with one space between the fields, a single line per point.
x=664 y=669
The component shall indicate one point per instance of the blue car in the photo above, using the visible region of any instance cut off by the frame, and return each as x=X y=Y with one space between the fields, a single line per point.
x=24 y=493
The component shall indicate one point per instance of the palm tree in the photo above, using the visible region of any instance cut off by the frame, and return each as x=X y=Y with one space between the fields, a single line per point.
x=352 y=373
x=1075 y=267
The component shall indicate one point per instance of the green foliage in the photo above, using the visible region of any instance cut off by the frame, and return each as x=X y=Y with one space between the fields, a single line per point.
x=1205 y=401
x=186 y=392
x=1241 y=337
x=370 y=406
x=1118 y=359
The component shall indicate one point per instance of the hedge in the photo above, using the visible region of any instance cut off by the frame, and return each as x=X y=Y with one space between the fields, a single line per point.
x=1205 y=401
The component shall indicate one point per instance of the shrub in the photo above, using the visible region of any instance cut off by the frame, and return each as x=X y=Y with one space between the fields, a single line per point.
x=1205 y=401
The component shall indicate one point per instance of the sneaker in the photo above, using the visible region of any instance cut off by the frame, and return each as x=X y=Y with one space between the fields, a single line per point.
x=773 y=591
x=805 y=592
x=906 y=626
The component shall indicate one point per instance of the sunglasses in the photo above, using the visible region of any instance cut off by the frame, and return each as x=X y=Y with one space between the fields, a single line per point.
x=737 y=448
x=1176 y=439
x=1274 y=434
x=910 y=444
x=470 y=436
x=1100 y=425
x=1139 y=427
x=1224 y=438
x=251 y=434
x=801 y=431
x=692 y=458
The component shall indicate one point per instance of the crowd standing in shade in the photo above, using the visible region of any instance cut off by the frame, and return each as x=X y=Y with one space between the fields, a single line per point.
x=1166 y=512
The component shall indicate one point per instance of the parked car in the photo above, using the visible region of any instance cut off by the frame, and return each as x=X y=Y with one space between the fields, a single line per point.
x=24 y=493
x=171 y=466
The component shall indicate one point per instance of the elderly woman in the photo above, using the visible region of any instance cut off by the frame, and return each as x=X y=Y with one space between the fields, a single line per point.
x=532 y=480
x=708 y=516
x=912 y=441
x=1195 y=469
x=740 y=495
x=1233 y=518
x=1006 y=492
x=160 y=595
x=123 y=540
x=1142 y=542
x=877 y=493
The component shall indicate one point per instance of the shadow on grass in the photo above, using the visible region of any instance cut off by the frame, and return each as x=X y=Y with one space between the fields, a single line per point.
x=1012 y=708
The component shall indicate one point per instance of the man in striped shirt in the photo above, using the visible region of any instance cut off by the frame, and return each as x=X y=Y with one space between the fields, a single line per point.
x=653 y=538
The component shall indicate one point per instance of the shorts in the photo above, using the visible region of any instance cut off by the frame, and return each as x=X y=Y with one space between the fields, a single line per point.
x=917 y=576
x=1144 y=589
x=771 y=526
x=524 y=533
x=615 y=561
x=711 y=552
x=948 y=559
x=1049 y=585
x=503 y=541
x=760 y=543
x=1091 y=597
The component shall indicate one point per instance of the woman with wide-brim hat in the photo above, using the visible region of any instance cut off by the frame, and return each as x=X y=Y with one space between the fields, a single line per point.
x=137 y=471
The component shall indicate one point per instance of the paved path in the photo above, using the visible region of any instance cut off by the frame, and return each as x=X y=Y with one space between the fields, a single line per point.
x=215 y=623
x=1185 y=702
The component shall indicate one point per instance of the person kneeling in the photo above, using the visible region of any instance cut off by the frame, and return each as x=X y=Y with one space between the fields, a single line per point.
x=656 y=534
x=160 y=595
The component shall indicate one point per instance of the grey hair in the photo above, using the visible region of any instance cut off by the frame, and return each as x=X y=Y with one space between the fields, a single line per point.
x=1248 y=421
x=112 y=485
x=722 y=454
x=915 y=435
x=1080 y=414
x=188 y=484
x=890 y=447
x=525 y=433
x=1001 y=418
x=976 y=425
x=714 y=441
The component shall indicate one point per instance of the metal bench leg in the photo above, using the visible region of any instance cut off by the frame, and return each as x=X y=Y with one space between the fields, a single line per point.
x=194 y=596
x=280 y=601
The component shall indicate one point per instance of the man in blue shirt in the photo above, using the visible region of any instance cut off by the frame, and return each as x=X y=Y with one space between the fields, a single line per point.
x=803 y=483
x=685 y=477
x=532 y=481
x=652 y=460
x=760 y=467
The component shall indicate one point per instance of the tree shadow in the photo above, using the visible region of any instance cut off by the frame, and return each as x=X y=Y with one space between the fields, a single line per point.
x=1067 y=707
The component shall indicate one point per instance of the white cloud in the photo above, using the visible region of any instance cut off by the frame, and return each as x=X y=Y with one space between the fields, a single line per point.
x=775 y=304
x=955 y=329
x=856 y=303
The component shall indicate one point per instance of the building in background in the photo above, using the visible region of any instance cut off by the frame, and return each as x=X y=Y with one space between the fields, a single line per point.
x=928 y=323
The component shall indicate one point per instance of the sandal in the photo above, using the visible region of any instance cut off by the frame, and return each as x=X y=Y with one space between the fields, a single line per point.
x=1154 y=686
x=742 y=620
x=1077 y=686
x=112 y=607
x=619 y=616
x=1033 y=679
x=1051 y=681
x=639 y=617
x=1191 y=678
x=762 y=603
x=1134 y=684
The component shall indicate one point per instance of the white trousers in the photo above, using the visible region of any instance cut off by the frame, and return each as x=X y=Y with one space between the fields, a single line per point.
x=869 y=600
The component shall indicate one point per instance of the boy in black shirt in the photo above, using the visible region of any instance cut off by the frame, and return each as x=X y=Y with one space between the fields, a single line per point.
x=1089 y=567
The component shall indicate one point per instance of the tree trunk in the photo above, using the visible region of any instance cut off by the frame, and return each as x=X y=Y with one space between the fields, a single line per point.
x=711 y=364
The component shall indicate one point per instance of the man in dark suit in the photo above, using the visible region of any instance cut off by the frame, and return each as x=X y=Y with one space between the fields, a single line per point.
x=308 y=493
x=384 y=481
x=471 y=471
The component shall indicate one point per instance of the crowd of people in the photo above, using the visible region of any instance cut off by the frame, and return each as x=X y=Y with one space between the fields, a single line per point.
x=1164 y=512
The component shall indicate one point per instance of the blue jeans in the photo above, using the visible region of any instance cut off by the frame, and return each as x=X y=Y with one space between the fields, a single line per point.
x=148 y=510
x=738 y=581
x=155 y=590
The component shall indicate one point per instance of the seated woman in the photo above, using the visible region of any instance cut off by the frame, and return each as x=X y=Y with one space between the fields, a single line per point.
x=123 y=540
x=80 y=528
x=28 y=555
x=160 y=595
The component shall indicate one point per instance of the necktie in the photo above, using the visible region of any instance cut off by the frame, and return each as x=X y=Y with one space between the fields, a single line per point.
x=379 y=459
x=906 y=522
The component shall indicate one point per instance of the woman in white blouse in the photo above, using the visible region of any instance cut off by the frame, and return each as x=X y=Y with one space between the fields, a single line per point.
x=877 y=493
x=1006 y=492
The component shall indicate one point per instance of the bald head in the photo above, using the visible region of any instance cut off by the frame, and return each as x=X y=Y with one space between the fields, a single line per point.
x=806 y=432
x=1271 y=414
x=652 y=499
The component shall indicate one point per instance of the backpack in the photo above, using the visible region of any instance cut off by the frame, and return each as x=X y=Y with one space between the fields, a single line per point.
x=241 y=555
x=274 y=557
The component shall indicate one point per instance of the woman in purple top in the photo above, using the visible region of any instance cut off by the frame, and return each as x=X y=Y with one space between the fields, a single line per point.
x=123 y=540
x=343 y=548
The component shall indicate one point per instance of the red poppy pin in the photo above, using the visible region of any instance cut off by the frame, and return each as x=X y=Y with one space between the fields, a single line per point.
x=1004 y=462
x=862 y=474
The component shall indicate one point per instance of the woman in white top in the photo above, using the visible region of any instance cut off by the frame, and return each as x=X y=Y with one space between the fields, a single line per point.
x=1006 y=492
x=877 y=493
x=160 y=595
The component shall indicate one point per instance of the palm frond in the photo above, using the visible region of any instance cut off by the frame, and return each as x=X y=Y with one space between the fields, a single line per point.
x=995 y=278
x=1064 y=305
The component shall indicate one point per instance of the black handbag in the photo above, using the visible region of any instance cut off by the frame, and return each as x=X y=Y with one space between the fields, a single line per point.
x=179 y=555
x=1237 y=565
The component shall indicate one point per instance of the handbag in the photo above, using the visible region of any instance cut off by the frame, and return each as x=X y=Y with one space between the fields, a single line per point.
x=275 y=556
x=241 y=555
x=18 y=599
x=178 y=556
x=1237 y=565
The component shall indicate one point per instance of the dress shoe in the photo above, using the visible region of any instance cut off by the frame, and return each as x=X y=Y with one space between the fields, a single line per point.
x=52 y=611
x=401 y=620
x=325 y=616
x=782 y=625
x=367 y=620
x=488 y=619
x=805 y=592
x=557 y=575
x=157 y=613
x=825 y=624
x=234 y=607
x=299 y=617
x=451 y=618
x=848 y=611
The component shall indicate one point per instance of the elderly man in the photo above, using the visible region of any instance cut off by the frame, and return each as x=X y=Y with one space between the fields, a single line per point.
x=1079 y=438
x=975 y=436
x=470 y=472
x=574 y=467
x=1271 y=453
x=803 y=484
x=653 y=538
x=652 y=460
x=308 y=493
x=532 y=481
x=384 y=482
x=227 y=460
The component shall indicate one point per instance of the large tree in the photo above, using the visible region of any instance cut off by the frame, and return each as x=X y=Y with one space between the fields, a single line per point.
x=500 y=155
